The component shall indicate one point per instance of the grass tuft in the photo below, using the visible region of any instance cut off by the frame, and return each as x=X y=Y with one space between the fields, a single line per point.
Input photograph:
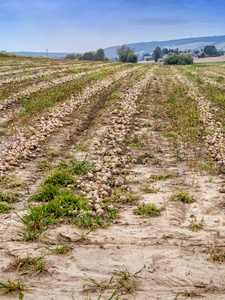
x=149 y=210
x=122 y=197
x=183 y=197
x=13 y=286
x=29 y=265
x=160 y=177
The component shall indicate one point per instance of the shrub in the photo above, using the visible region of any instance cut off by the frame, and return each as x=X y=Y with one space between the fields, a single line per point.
x=176 y=59
x=132 y=58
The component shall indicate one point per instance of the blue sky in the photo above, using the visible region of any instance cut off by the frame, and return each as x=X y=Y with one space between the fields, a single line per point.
x=85 y=25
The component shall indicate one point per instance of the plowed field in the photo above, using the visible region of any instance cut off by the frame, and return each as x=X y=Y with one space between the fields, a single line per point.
x=111 y=180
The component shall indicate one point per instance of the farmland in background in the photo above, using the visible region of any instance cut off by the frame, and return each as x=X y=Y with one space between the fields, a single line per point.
x=111 y=180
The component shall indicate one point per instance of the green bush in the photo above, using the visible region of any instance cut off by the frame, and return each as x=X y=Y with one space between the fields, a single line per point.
x=132 y=58
x=176 y=59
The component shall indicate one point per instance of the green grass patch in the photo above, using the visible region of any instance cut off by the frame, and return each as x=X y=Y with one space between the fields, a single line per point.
x=8 y=197
x=160 y=177
x=5 y=208
x=60 y=178
x=134 y=142
x=15 y=285
x=45 y=193
x=77 y=167
x=64 y=207
x=61 y=205
x=183 y=197
x=149 y=210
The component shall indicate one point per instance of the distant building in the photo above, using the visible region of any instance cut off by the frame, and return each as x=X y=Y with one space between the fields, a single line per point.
x=162 y=59
x=147 y=57
x=194 y=55
x=203 y=54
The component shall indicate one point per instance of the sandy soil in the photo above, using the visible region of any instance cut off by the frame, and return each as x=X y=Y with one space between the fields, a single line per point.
x=165 y=245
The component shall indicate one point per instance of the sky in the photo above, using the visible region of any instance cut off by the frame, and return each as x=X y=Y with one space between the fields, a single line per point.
x=86 y=25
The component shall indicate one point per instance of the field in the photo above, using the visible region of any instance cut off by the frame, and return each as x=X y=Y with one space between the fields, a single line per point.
x=210 y=59
x=112 y=180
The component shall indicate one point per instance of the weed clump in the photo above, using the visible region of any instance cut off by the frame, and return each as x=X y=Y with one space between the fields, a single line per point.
x=77 y=167
x=65 y=207
x=94 y=220
x=9 y=197
x=135 y=143
x=149 y=210
x=160 y=177
x=216 y=254
x=149 y=190
x=60 y=249
x=13 y=286
x=60 y=178
x=45 y=193
x=183 y=197
x=29 y=265
x=144 y=158
x=5 y=208
x=195 y=226
x=123 y=281
x=122 y=197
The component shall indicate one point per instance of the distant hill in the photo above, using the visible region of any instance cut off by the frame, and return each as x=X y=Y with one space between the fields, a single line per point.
x=148 y=47
x=183 y=44
x=58 y=55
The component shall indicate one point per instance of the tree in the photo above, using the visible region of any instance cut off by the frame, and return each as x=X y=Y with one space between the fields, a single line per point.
x=100 y=54
x=89 y=56
x=123 y=52
x=157 y=53
x=165 y=51
x=70 y=56
x=78 y=56
x=211 y=51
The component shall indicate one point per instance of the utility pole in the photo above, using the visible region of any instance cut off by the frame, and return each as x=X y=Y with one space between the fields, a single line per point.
x=46 y=52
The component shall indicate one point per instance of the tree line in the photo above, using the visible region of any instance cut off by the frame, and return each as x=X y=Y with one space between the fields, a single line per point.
x=99 y=55
x=125 y=54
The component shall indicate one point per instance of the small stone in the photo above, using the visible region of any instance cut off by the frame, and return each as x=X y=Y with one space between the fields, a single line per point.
x=123 y=198
x=111 y=207
x=90 y=175
x=99 y=211
x=13 y=163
